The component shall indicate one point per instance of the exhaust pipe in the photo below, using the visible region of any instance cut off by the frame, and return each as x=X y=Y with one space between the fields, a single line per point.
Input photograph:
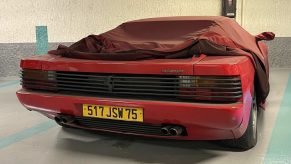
x=67 y=119
x=165 y=130
x=64 y=119
x=58 y=119
x=176 y=131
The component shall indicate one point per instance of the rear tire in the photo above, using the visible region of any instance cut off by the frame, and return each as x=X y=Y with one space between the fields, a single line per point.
x=249 y=138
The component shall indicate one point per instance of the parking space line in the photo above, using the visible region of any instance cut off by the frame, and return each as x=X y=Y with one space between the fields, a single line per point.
x=26 y=133
x=2 y=85
x=279 y=150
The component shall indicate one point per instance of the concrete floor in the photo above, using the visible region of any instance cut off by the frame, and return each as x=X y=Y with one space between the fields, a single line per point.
x=28 y=137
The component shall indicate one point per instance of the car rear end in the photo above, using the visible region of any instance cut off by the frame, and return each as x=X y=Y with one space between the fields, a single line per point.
x=203 y=98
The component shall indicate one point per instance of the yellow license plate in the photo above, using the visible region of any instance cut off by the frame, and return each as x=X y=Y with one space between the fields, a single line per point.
x=113 y=112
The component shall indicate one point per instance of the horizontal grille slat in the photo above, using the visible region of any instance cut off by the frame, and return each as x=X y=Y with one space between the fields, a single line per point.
x=72 y=82
x=119 y=123
x=192 y=87
x=177 y=95
x=76 y=75
x=175 y=82
x=179 y=87
x=59 y=85
x=156 y=87
x=80 y=79
x=172 y=91
x=153 y=78
x=121 y=126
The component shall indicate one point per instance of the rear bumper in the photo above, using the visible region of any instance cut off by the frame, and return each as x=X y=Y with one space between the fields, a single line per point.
x=202 y=121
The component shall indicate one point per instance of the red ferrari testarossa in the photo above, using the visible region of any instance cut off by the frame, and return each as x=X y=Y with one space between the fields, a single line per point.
x=186 y=78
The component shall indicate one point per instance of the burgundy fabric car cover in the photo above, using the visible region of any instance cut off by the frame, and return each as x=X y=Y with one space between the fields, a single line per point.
x=175 y=37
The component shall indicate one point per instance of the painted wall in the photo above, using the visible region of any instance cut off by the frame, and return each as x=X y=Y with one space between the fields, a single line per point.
x=68 y=21
x=267 y=15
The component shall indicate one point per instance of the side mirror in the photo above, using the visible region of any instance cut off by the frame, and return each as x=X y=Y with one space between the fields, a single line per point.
x=265 y=36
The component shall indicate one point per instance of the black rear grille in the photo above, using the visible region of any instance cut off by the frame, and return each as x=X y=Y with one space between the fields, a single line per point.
x=119 y=126
x=157 y=87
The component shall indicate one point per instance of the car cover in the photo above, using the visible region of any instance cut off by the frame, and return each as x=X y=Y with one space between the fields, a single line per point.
x=175 y=37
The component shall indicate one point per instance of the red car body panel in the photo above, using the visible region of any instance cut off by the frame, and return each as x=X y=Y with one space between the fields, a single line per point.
x=203 y=121
x=217 y=65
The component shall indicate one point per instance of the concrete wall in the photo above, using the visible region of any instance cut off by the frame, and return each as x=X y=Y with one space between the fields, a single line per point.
x=267 y=15
x=71 y=20
x=257 y=16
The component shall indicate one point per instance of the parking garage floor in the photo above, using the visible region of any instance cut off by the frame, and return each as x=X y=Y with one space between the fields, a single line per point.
x=28 y=137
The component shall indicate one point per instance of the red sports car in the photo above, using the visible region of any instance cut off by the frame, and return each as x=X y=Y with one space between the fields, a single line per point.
x=186 y=78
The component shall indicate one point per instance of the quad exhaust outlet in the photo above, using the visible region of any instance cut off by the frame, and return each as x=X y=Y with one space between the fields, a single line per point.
x=64 y=119
x=173 y=130
x=166 y=130
x=176 y=131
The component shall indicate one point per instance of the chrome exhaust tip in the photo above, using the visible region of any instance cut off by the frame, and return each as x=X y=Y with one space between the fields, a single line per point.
x=64 y=119
x=67 y=119
x=176 y=131
x=165 y=130
x=58 y=119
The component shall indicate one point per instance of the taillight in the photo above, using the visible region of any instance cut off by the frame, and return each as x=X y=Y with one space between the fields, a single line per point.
x=218 y=88
x=38 y=79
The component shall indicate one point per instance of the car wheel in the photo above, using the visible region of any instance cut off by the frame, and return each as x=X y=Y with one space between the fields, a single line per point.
x=249 y=138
